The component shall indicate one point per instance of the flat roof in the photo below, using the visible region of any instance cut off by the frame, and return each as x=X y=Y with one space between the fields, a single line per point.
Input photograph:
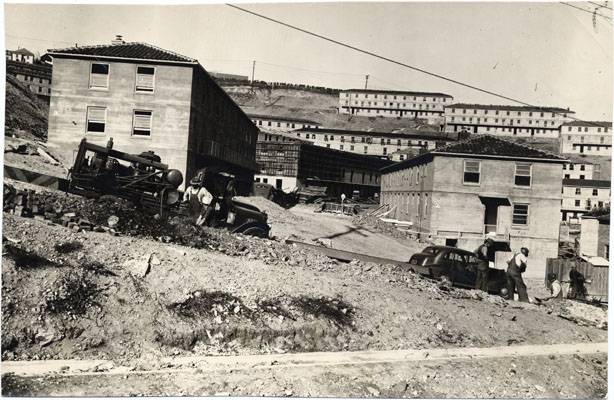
x=397 y=92
x=414 y=134
x=510 y=108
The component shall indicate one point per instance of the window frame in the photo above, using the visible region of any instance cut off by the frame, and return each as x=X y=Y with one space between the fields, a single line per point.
x=479 y=172
x=516 y=175
x=87 y=121
x=528 y=214
x=108 y=76
x=132 y=134
x=136 y=80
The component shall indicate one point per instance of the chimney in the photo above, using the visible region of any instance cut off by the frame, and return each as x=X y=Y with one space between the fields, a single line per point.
x=118 y=40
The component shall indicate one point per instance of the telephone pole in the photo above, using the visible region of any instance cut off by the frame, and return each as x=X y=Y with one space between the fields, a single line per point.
x=366 y=81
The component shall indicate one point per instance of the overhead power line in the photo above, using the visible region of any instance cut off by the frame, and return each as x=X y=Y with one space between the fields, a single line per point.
x=599 y=5
x=586 y=11
x=372 y=54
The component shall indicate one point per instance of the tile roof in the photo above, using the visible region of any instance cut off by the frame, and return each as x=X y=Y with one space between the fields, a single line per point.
x=407 y=134
x=482 y=146
x=509 y=108
x=132 y=50
x=488 y=145
x=23 y=50
x=603 y=124
x=393 y=92
x=591 y=183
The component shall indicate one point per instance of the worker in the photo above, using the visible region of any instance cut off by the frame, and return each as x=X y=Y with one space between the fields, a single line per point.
x=481 y=282
x=516 y=266
x=577 y=288
x=556 y=291
x=198 y=198
x=342 y=198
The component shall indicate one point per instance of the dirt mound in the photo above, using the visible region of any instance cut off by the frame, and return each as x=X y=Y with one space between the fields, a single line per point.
x=24 y=111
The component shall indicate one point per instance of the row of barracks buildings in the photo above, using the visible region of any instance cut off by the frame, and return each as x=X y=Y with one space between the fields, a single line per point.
x=453 y=190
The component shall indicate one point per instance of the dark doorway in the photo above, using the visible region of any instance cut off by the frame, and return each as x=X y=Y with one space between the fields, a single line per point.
x=278 y=183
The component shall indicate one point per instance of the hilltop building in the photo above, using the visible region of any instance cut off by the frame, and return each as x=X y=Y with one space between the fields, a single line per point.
x=20 y=55
x=391 y=103
x=373 y=143
x=582 y=195
x=580 y=168
x=281 y=124
x=36 y=77
x=458 y=194
x=587 y=137
x=288 y=163
x=147 y=98
x=503 y=120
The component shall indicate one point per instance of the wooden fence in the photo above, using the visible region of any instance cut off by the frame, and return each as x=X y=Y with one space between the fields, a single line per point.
x=596 y=277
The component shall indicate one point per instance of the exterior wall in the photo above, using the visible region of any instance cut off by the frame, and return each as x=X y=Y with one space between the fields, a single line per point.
x=170 y=104
x=36 y=77
x=603 y=241
x=271 y=124
x=288 y=183
x=358 y=142
x=589 y=235
x=19 y=56
x=454 y=209
x=220 y=133
x=37 y=85
x=577 y=200
x=502 y=122
x=592 y=140
x=580 y=171
x=426 y=106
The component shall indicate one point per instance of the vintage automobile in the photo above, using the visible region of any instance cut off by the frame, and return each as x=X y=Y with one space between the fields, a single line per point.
x=459 y=267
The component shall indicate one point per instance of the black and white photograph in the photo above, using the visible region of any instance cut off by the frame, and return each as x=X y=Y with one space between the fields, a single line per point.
x=285 y=199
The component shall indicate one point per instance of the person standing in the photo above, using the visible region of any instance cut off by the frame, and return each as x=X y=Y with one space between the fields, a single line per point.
x=515 y=267
x=481 y=281
x=198 y=198
x=342 y=198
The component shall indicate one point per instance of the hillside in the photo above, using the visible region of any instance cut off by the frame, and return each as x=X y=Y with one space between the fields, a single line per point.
x=24 y=111
x=318 y=107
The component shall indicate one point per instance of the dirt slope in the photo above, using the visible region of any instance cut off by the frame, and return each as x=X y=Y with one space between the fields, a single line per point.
x=24 y=111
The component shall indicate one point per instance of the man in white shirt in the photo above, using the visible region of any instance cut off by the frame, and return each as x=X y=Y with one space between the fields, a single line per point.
x=198 y=198
x=517 y=264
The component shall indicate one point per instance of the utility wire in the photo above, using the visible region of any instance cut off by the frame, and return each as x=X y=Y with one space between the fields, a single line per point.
x=399 y=62
x=586 y=11
x=39 y=40
x=599 y=5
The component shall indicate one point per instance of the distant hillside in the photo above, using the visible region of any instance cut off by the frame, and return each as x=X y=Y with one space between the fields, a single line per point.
x=24 y=110
x=312 y=105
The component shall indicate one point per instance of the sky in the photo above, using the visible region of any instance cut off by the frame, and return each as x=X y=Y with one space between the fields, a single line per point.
x=545 y=54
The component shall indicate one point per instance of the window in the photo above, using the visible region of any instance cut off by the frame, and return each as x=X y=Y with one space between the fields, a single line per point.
x=566 y=176
x=581 y=176
x=520 y=214
x=145 y=79
x=471 y=172
x=523 y=175
x=577 y=203
x=578 y=191
x=595 y=192
x=96 y=119
x=571 y=167
x=99 y=76
x=141 y=123
x=582 y=167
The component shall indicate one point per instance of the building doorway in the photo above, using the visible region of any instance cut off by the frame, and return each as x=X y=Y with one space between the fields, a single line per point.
x=491 y=213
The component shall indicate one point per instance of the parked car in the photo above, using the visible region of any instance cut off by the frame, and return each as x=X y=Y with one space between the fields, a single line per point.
x=457 y=266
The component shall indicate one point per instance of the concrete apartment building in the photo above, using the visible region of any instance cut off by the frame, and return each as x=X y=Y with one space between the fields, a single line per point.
x=147 y=98
x=503 y=120
x=583 y=195
x=580 y=168
x=372 y=143
x=390 y=103
x=281 y=124
x=586 y=137
x=36 y=77
x=289 y=163
x=20 y=55
x=458 y=194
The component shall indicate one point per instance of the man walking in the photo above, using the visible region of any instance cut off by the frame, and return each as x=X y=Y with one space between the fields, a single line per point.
x=481 y=282
x=516 y=266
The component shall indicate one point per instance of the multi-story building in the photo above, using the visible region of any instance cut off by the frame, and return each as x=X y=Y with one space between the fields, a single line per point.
x=373 y=143
x=583 y=195
x=281 y=124
x=502 y=120
x=586 y=137
x=36 y=77
x=389 y=103
x=20 y=55
x=147 y=98
x=288 y=164
x=459 y=194
x=580 y=168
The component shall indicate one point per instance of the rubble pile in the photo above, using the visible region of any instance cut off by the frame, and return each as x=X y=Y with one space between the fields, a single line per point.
x=380 y=226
